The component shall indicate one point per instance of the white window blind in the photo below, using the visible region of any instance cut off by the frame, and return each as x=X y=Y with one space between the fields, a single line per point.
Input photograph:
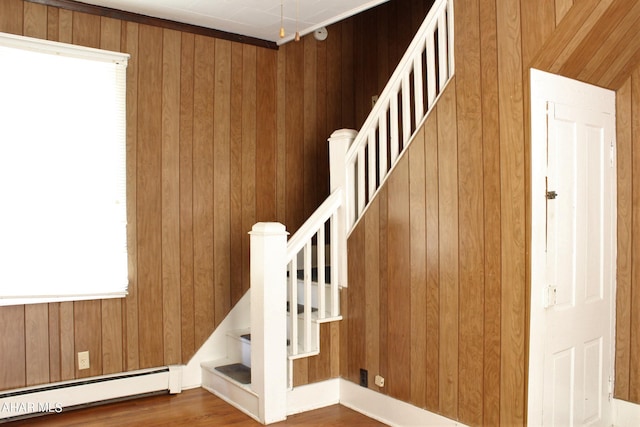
x=62 y=172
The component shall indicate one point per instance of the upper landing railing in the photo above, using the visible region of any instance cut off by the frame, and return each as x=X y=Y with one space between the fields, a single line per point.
x=405 y=102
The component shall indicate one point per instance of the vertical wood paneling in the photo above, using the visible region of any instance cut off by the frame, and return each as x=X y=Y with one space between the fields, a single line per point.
x=221 y=179
x=372 y=295
x=236 y=156
x=249 y=164
x=36 y=318
x=35 y=20
x=54 y=342
x=334 y=78
x=67 y=341
x=86 y=29
x=11 y=16
x=359 y=69
x=624 y=262
x=383 y=66
x=186 y=196
x=281 y=139
x=12 y=346
x=432 y=306
x=65 y=27
x=491 y=193
x=471 y=226
x=86 y=321
x=53 y=18
x=294 y=119
x=538 y=22
x=262 y=147
x=448 y=256
x=310 y=101
x=321 y=131
x=171 y=43
x=319 y=367
x=357 y=293
x=131 y=358
x=634 y=321
x=399 y=274
x=418 y=270
x=512 y=174
x=203 y=187
x=386 y=348
x=149 y=197
x=112 y=336
x=348 y=75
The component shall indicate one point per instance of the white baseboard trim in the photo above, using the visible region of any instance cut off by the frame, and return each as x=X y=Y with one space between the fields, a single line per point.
x=625 y=414
x=313 y=396
x=55 y=397
x=387 y=409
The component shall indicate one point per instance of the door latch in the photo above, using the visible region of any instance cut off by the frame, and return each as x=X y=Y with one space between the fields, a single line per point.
x=551 y=195
x=550 y=297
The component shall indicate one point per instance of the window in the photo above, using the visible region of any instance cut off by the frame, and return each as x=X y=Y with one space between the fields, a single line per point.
x=62 y=172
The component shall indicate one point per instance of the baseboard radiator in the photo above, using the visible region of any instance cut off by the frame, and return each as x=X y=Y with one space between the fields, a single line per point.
x=61 y=396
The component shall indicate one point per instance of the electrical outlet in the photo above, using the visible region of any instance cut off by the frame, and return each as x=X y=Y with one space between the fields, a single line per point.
x=83 y=360
x=379 y=381
x=364 y=378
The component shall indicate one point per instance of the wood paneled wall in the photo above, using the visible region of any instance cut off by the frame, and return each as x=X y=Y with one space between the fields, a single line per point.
x=220 y=135
x=627 y=378
x=442 y=291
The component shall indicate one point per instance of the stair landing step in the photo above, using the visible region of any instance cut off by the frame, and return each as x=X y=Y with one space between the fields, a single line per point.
x=237 y=372
x=248 y=338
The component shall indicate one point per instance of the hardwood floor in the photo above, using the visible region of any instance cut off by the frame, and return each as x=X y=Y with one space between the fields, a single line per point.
x=196 y=407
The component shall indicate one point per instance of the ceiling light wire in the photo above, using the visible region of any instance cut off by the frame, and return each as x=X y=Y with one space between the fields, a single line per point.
x=297 y=38
x=281 y=18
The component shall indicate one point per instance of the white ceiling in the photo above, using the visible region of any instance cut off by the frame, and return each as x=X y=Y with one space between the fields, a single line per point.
x=255 y=18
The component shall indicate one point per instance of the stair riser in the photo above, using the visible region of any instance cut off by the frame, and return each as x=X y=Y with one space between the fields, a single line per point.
x=238 y=396
x=239 y=349
x=314 y=295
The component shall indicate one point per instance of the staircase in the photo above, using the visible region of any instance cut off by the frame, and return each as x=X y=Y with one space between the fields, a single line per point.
x=295 y=283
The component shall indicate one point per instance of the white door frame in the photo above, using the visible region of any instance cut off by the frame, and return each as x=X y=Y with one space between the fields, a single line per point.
x=544 y=87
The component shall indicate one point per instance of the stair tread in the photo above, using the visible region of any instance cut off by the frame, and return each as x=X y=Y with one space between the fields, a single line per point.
x=301 y=308
x=237 y=372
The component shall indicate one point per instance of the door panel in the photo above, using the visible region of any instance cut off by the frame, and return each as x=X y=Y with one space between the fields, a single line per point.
x=579 y=266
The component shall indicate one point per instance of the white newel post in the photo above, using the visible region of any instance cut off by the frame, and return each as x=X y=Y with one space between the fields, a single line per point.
x=339 y=143
x=269 y=319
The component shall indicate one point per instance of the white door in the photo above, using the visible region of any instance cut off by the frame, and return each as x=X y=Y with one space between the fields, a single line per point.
x=575 y=278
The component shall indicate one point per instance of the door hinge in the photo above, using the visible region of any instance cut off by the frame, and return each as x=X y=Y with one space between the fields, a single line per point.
x=551 y=195
x=611 y=154
x=610 y=388
x=550 y=296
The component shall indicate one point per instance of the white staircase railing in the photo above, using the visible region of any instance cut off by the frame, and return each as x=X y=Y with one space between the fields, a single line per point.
x=406 y=100
x=315 y=257
x=303 y=259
